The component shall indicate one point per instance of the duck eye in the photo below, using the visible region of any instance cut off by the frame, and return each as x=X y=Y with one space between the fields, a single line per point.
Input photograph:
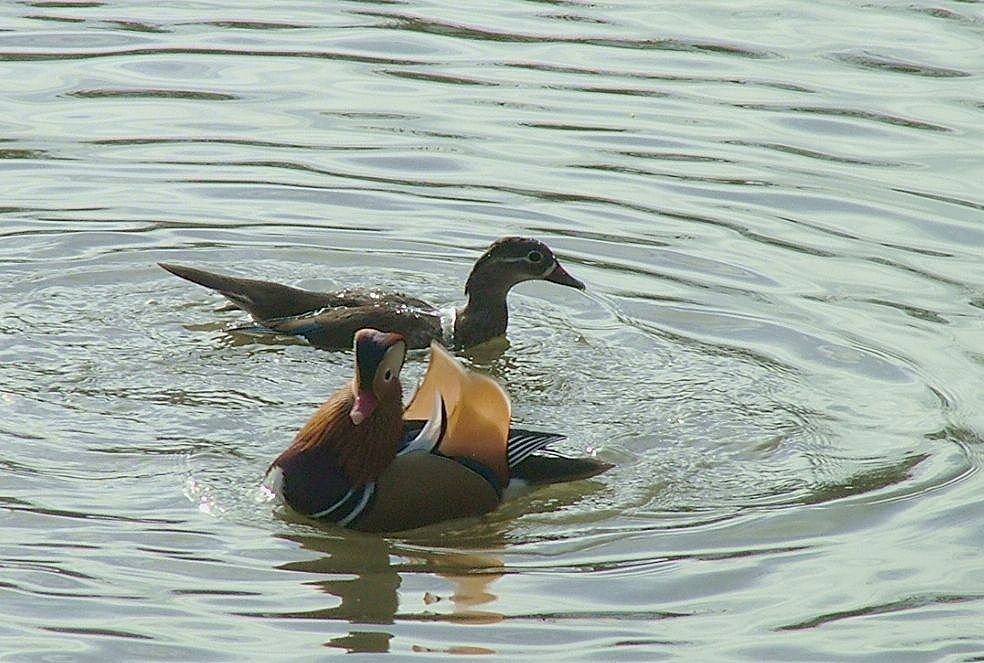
x=388 y=375
x=534 y=256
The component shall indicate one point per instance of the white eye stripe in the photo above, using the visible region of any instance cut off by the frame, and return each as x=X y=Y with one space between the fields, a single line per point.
x=551 y=264
x=544 y=258
x=391 y=363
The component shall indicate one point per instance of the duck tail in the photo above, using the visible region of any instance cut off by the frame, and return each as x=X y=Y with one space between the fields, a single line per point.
x=261 y=299
x=543 y=469
x=235 y=289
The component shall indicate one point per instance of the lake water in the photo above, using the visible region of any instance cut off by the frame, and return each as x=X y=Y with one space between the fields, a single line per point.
x=778 y=209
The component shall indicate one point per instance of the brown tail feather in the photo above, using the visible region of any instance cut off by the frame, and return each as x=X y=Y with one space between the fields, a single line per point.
x=261 y=299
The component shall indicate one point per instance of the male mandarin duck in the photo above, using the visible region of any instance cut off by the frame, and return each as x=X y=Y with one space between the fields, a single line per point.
x=364 y=461
x=330 y=319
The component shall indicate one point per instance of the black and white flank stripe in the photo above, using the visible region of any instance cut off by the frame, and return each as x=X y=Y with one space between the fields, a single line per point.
x=523 y=443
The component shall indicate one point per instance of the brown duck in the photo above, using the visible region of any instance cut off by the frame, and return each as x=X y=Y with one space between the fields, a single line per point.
x=364 y=461
x=330 y=319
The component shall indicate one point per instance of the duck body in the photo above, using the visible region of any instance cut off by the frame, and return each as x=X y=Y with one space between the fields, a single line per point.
x=330 y=319
x=390 y=469
x=415 y=489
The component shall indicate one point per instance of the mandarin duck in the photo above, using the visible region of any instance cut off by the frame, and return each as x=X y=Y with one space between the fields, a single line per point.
x=330 y=319
x=366 y=462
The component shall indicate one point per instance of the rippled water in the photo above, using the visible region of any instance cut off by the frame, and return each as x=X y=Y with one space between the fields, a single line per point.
x=777 y=208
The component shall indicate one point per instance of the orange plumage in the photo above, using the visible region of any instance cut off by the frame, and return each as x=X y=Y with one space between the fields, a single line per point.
x=362 y=451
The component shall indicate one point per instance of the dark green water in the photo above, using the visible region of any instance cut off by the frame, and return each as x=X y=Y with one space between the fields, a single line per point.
x=778 y=209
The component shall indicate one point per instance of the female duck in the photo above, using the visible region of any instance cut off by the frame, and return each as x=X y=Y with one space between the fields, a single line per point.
x=330 y=319
x=365 y=462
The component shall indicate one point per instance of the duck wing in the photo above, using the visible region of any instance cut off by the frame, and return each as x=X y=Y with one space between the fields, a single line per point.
x=419 y=489
x=265 y=300
x=475 y=413
x=420 y=435
x=334 y=328
x=478 y=411
x=522 y=443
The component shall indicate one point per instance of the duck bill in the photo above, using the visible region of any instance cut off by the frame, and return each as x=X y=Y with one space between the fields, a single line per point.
x=559 y=275
x=365 y=404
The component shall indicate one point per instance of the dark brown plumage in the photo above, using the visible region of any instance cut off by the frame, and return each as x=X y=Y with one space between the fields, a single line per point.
x=330 y=319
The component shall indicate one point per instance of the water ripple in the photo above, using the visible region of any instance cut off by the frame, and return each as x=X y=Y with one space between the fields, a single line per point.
x=430 y=25
x=92 y=53
x=905 y=604
x=776 y=211
x=868 y=60
x=144 y=94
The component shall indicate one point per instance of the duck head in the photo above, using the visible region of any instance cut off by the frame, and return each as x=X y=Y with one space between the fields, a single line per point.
x=512 y=260
x=379 y=357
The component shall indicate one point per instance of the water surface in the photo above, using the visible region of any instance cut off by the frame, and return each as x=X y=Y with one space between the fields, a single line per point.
x=778 y=210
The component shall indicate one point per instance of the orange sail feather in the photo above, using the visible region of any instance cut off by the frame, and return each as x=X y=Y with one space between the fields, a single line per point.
x=478 y=411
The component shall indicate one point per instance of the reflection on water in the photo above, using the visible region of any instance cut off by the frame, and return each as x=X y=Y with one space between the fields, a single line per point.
x=777 y=212
x=369 y=582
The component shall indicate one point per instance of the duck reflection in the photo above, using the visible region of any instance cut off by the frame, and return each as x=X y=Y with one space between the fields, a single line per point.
x=365 y=572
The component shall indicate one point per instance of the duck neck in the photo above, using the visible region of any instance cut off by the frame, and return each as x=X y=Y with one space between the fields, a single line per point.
x=485 y=316
x=362 y=452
